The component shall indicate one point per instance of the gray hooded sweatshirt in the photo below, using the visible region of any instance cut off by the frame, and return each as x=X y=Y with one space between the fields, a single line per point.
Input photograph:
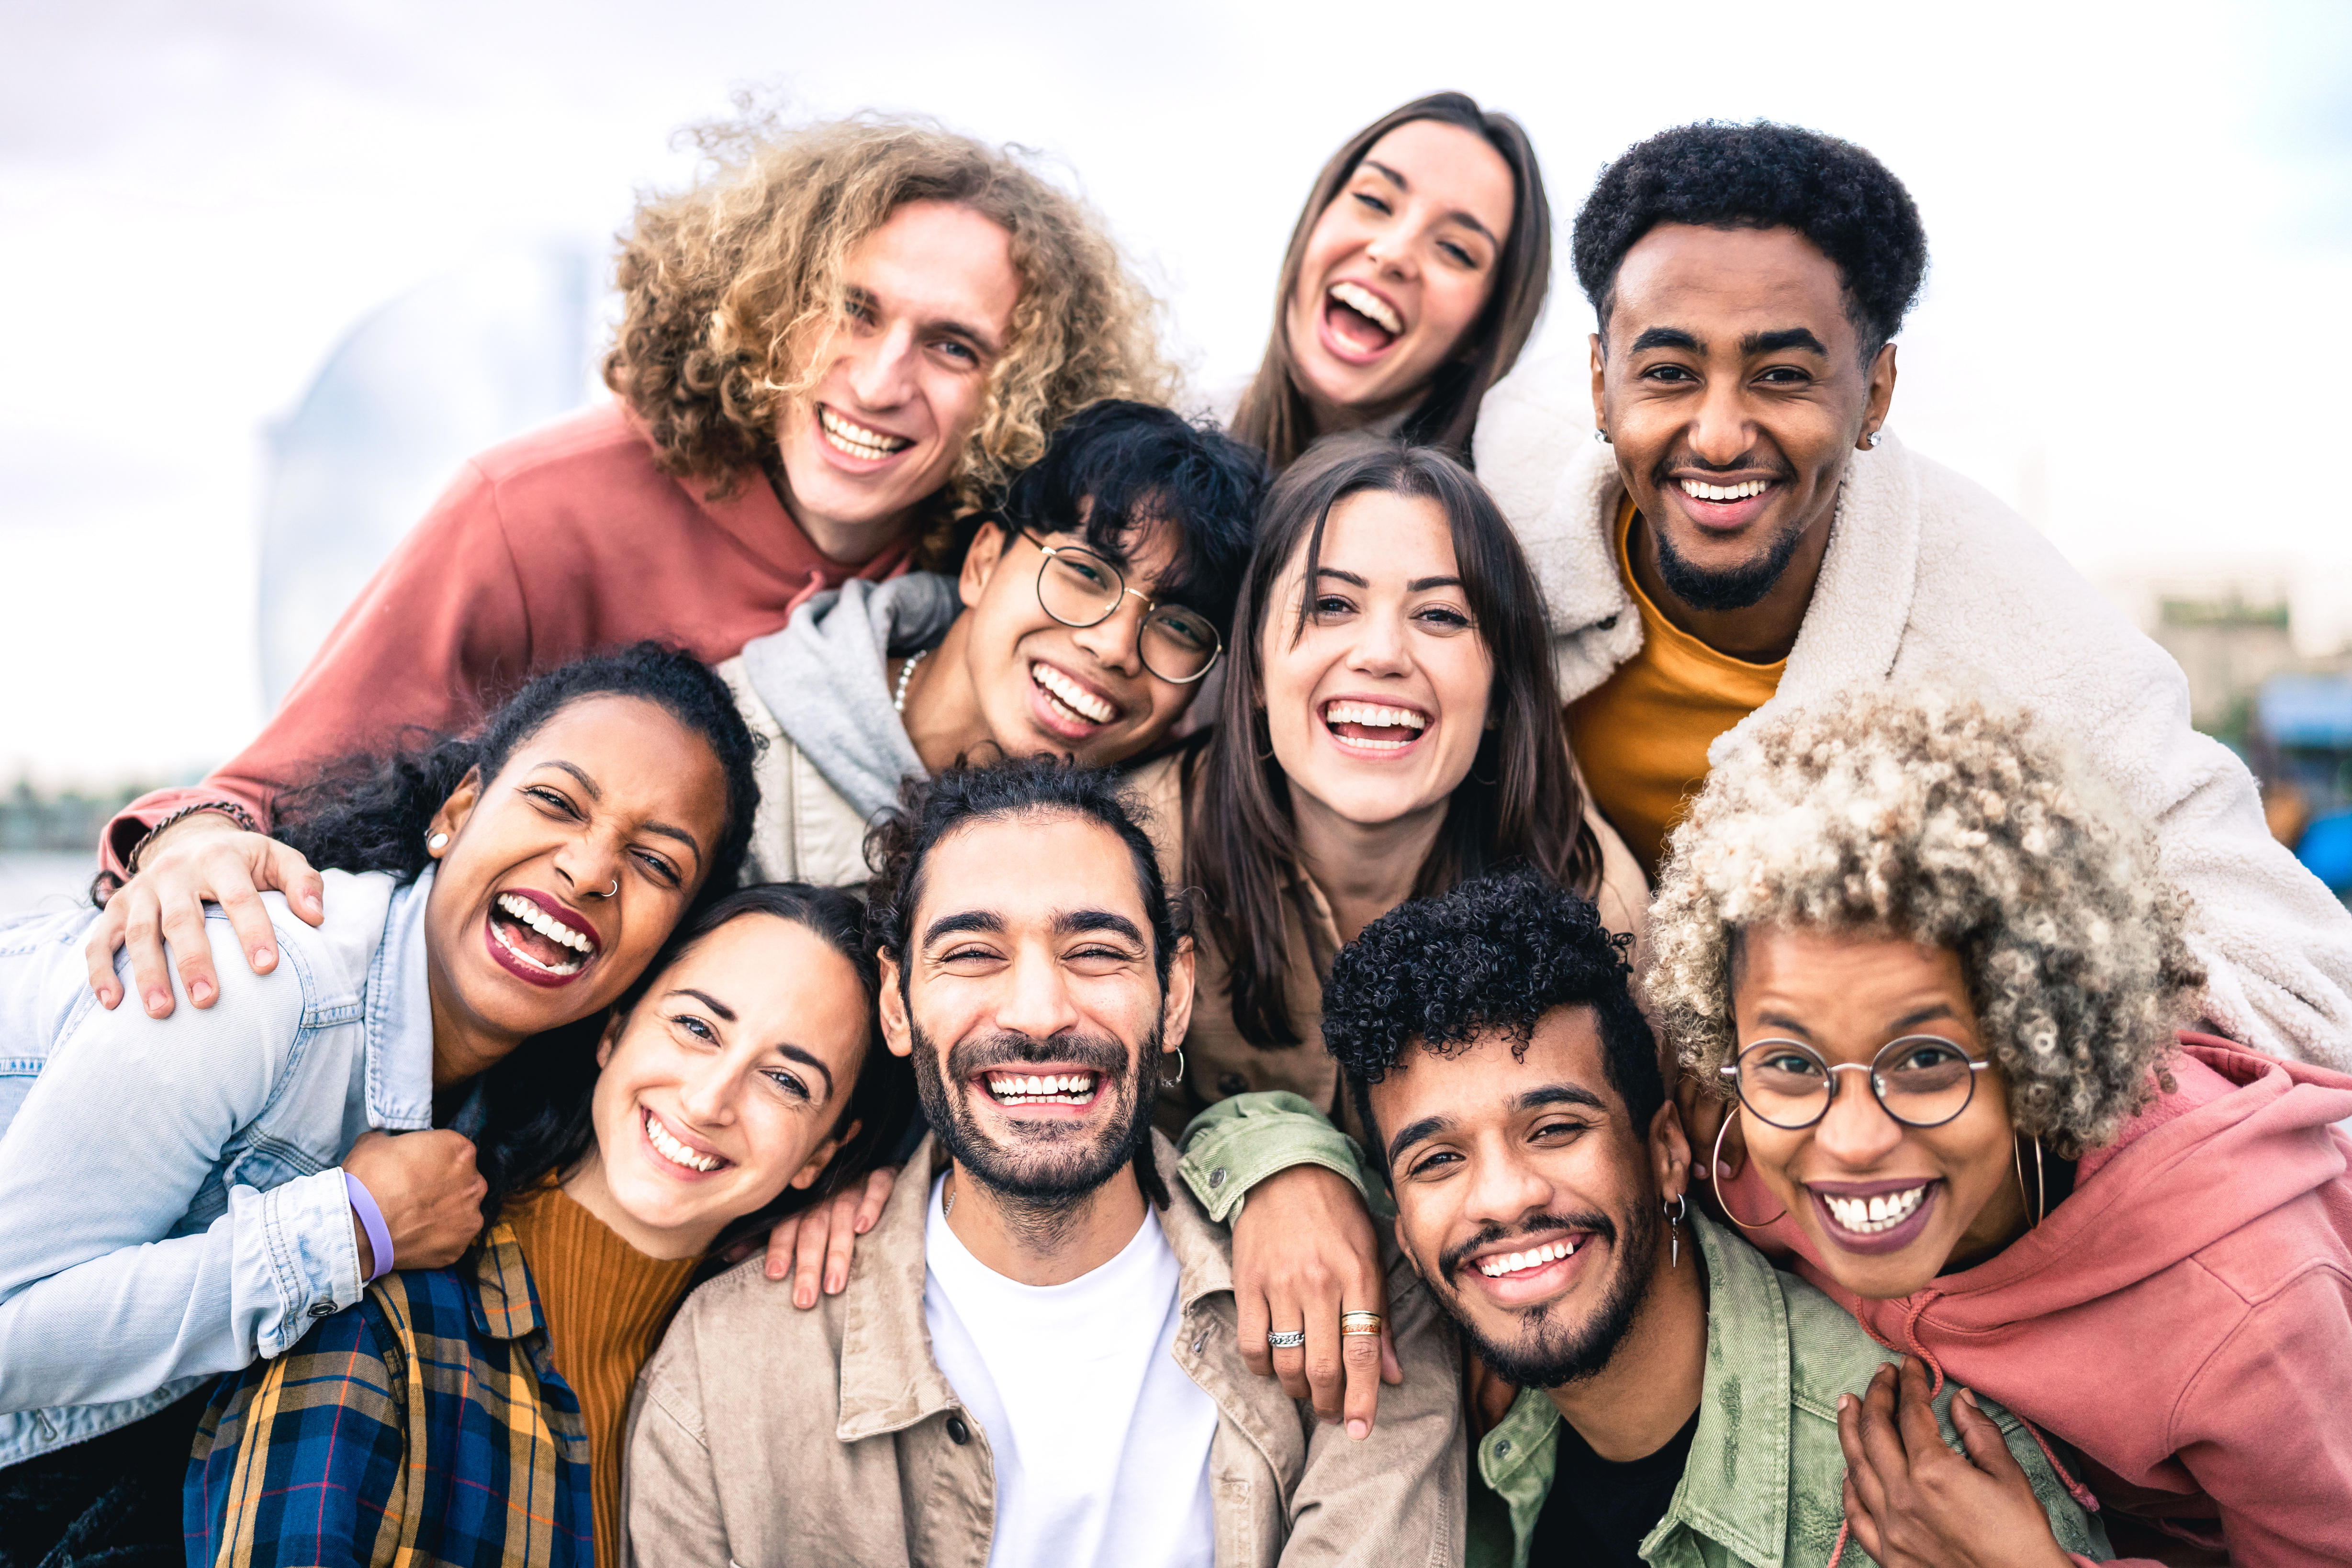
x=818 y=693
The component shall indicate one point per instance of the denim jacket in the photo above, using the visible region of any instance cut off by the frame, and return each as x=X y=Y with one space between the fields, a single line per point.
x=172 y=1203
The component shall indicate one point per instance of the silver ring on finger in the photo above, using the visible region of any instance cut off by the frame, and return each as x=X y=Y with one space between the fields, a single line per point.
x=1286 y=1339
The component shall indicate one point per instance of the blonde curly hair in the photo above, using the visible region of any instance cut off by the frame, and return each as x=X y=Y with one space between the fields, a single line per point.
x=1933 y=817
x=729 y=284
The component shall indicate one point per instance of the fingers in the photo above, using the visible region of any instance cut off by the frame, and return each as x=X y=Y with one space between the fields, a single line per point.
x=142 y=938
x=286 y=870
x=1982 y=1441
x=808 y=1266
x=249 y=919
x=1391 y=1369
x=1882 y=1440
x=781 y=1239
x=1860 y=1474
x=184 y=930
x=98 y=951
x=1923 y=1440
x=842 y=1240
x=878 y=1193
x=1251 y=1320
x=1860 y=1527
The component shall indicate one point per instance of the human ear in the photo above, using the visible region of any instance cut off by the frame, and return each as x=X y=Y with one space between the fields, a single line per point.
x=822 y=1156
x=1881 y=397
x=611 y=1037
x=980 y=561
x=897 y=1034
x=1670 y=1158
x=450 y=819
x=1176 y=1008
x=1600 y=383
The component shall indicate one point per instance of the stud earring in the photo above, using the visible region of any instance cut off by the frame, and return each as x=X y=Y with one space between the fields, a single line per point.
x=1873 y=440
x=1601 y=437
x=435 y=844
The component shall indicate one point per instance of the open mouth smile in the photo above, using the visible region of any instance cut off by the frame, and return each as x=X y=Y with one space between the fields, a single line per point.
x=533 y=936
x=1380 y=729
x=1502 y=1265
x=1517 y=1274
x=1726 y=506
x=1359 y=324
x=1874 y=1216
x=673 y=1150
x=1073 y=709
x=855 y=440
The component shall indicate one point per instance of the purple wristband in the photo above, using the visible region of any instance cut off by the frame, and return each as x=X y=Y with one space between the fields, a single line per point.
x=371 y=1220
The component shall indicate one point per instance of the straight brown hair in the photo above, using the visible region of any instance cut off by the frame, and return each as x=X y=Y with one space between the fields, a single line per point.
x=1274 y=416
x=1528 y=808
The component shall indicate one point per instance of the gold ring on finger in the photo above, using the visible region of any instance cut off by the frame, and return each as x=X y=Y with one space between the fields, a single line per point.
x=1360 y=1323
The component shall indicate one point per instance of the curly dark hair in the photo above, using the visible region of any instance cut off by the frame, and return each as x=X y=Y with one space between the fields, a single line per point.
x=1132 y=463
x=1762 y=175
x=1495 y=955
x=538 y=1102
x=370 y=811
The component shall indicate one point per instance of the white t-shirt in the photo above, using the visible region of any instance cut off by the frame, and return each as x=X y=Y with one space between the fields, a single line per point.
x=1101 y=1441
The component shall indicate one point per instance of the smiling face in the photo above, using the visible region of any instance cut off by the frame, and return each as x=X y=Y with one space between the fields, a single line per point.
x=724 y=1085
x=1377 y=706
x=1526 y=1197
x=930 y=299
x=1044 y=687
x=1397 y=269
x=1031 y=1005
x=564 y=875
x=1733 y=391
x=1887 y=1207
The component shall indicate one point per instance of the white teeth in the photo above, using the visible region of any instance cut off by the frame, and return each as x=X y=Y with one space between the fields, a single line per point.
x=676 y=1153
x=1697 y=492
x=523 y=912
x=1082 y=703
x=1059 y=1088
x=1882 y=1210
x=1364 y=302
x=1375 y=716
x=857 y=439
x=1495 y=1268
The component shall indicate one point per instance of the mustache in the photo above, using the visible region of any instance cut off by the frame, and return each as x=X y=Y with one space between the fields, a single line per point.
x=1780 y=467
x=1450 y=1262
x=969 y=1058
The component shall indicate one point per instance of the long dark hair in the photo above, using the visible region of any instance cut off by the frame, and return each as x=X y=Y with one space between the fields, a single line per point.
x=1240 y=840
x=1273 y=414
x=538 y=1101
x=370 y=811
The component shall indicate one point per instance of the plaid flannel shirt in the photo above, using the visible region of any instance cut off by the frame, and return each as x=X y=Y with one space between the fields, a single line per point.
x=426 y=1425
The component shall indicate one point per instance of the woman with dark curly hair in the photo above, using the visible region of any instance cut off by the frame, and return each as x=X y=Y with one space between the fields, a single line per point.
x=187 y=1194
x=1940 y=975
x=831 y=346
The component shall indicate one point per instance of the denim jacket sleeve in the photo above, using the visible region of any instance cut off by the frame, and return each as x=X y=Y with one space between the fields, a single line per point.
x=128 y=1120
x=1238 y=1143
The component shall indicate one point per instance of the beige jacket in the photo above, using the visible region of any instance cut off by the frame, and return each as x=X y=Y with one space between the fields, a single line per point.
x=763 y=1436
x=805 y=831
x=1219 y=1063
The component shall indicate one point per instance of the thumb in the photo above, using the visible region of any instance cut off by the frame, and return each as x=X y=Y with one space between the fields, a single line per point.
x=1391 y=1369
x=1981 y=1438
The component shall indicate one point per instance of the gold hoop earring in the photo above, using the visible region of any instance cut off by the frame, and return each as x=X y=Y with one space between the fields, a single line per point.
x=2041 y=1182
x=1258 y=722
x=1714 y=1175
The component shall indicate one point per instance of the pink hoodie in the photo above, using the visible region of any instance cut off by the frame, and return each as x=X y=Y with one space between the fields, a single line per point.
x=2184 y=1318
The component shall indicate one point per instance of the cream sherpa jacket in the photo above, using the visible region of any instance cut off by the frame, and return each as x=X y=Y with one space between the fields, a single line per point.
x=1929 y=576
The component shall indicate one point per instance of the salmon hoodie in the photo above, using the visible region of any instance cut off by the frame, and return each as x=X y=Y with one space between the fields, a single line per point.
x=2184 y=1318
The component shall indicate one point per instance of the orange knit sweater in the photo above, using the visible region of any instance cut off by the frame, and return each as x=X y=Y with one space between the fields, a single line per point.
x=607 y=1305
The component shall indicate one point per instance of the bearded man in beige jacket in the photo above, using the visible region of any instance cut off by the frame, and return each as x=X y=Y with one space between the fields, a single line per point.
x=1034 y=1362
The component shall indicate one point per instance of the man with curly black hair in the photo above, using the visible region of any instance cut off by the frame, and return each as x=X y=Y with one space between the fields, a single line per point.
x=1750 y=535
x=1513 y=1096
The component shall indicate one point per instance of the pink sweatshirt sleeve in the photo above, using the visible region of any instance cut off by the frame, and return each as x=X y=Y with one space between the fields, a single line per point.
x=442 y=622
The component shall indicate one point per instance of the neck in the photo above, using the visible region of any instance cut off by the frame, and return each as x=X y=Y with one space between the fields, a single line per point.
x=1766 y=630
x=1044 y=1243
x=1364 y=869
x=587 y=1188
x=463 y=1046
x=1330 y=418
x=1635 y=1406
x=842 y=542
x=943 y=715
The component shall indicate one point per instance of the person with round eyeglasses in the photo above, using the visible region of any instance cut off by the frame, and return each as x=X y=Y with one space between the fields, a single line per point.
x=1940 y=985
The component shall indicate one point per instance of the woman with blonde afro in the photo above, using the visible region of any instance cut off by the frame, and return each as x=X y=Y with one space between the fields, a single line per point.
x=833 y=343
x=1937 y=977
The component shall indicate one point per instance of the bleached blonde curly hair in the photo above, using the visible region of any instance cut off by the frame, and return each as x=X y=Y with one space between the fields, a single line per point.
x=730 y=285
x=1932 y=817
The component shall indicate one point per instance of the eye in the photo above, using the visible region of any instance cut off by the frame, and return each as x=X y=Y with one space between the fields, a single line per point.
x=1459 y=254
x=1785 y=375
x=955 y=348
x=1330 y=607
x=1443 y=618
x=1085 y=572
x=659 y=868
x=1669 y=372
x=1554 y=1133
x=968 y=953
x=785 y=1081
x=553 y=800
x=1191 y=632
x=1926 y=1056
x=1371 y=201
x=1794 y=1063
x=697 y=1027
x=1434 y=1163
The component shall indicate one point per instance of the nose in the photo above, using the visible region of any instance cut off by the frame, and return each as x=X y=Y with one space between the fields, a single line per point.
x=1504 y=1189
x=591 y=864
x=1389 y=255
x=1380 y=646
x=882 y=367
x=1721 y=432
x=1036 y=999
x=1116 y=641
x=1856 y=1131
x=707 y=1089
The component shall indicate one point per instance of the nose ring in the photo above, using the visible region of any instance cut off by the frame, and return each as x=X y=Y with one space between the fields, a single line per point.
x=610 y=891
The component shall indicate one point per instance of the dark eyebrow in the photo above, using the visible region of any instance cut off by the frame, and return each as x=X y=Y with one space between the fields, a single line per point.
x=1559 y=1094
x=1413 y=1132
x=794 y=1053
x=1668 y=338
x=1466 y=219
x=706 y=998
x=1773 y=1020
x=1394 y=178
x=1072 y=921
x=1912 y=1020
x=1422 y=585
x=1785 y=339
x=1347 y=577
x=982 y=921
x=954 y=328
x=659 y=829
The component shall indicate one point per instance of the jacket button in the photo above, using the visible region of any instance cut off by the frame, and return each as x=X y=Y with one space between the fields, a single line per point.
x=1199 y=1343
x=1502 y=1449
x=1217 y=1178
x=958 y=1433
x=322 y=1309
x=1233 y=1083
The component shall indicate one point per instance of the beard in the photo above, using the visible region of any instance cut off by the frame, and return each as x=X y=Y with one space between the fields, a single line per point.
x=1546 y=1354
x=1048 y=1168
x=1734 y=588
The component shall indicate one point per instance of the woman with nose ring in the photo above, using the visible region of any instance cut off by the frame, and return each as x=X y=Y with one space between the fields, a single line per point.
x=1939 y=976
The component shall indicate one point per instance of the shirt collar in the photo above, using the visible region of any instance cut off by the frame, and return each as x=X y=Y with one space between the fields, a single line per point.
x=399 y=1016
x=505 y=1304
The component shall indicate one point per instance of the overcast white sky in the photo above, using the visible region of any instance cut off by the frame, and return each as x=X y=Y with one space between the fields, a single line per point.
x=2135 y=321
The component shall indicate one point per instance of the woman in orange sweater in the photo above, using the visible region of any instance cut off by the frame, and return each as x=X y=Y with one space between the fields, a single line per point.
x=477 y=1411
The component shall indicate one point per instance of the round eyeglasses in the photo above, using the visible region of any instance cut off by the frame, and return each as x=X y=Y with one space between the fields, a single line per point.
x=1921 y=1080
x=1080 y=589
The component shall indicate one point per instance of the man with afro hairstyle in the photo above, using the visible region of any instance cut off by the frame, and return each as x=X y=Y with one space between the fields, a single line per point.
x=1748 y=533
x=1677 y=1393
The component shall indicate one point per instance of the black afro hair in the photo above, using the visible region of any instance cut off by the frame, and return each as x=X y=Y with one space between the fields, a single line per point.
x=1762 y=176
x=1494 y=957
